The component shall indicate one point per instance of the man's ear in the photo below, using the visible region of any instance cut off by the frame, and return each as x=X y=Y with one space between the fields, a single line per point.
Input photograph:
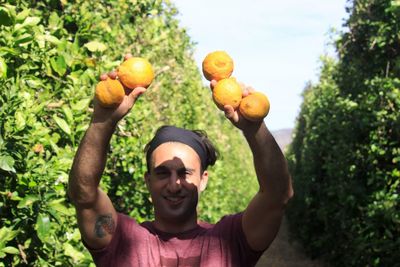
x=203 y=181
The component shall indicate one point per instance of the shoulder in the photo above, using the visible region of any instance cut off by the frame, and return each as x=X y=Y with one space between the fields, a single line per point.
x=231 y=220
x=127 y=229
x=228 y=225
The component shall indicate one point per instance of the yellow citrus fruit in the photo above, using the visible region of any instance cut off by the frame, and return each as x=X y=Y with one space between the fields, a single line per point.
x=255 y=106
x=217 y=65
x=110 y=93
x=135 y=72
x=227 y=92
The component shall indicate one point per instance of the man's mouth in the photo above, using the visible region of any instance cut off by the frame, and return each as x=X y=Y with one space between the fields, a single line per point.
x=174 y=200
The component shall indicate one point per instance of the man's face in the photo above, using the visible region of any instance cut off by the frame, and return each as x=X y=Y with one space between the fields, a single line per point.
x=175 y=181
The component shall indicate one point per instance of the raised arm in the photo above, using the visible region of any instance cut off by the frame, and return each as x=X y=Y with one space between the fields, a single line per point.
x=263 y=215
x=96 y=215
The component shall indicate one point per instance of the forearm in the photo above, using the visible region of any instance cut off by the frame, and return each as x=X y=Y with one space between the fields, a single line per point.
x=270 y=165
x=89 y=163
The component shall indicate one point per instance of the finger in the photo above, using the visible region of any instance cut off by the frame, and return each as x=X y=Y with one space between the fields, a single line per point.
x=127 y=56
x=245 y=93
x=213 y=83
x=103 y=77
x=229 y=111
x=242 y=85
x=113 y=75
x=250 y=89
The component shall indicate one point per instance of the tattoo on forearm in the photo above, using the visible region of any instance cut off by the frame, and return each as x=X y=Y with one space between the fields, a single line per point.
x=104 y=224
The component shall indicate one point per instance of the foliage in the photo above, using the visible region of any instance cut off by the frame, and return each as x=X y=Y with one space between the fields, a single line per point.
x=51 y=53
x=345 y=156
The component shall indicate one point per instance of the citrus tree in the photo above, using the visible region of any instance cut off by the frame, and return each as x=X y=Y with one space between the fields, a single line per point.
x=345 y=156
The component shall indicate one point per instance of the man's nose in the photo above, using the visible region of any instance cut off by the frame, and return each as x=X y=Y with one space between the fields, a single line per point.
x=174 y=183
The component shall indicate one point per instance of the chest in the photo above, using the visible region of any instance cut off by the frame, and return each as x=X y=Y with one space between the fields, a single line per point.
x=199 y=251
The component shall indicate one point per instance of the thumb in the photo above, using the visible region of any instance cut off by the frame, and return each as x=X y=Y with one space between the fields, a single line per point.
x=135 y=94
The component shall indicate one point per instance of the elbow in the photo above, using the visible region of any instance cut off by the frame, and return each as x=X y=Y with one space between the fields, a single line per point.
x=288 y=194
x=82 y=197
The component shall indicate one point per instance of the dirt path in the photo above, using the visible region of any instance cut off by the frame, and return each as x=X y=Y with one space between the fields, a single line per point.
x=283 y=253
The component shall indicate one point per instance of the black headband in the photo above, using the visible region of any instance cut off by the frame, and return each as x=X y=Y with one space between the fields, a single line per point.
x=175 y=134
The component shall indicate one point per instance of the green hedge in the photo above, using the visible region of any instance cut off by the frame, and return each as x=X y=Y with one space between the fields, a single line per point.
x=345 y=156
x=51 y=54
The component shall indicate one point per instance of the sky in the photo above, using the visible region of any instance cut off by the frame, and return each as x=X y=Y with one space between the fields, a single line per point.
x=275 y=45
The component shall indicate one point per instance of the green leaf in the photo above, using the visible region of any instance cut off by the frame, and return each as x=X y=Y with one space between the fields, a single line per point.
x=19 y=120
x=31 y=21
x=61 y=208
x=6 y=17
x=43 y=226
x=28 y=200
x=81 y=104
x=21 y=16
x=68 y=113
x=62 y=124
x=6 y=234
x=10 y=250
x=75 y=254
x=7 y=164
x=14 y=196
x=59 y=65
x=34 y=83
x=51 y=39
x=8 y=50
x=3 y=68
x=94 y=46
x=54 y=20
x=23 y=39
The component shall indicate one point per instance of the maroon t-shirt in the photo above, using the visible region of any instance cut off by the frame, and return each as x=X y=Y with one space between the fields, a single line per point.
x=207 y=245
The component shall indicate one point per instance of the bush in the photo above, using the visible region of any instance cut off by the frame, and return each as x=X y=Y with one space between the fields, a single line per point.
x=346 y=150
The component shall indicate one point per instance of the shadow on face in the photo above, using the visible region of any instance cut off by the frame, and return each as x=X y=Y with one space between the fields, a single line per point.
x=174 y=176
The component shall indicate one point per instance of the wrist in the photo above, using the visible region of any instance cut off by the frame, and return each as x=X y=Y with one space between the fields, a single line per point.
x=105 y=125
x=257 y=137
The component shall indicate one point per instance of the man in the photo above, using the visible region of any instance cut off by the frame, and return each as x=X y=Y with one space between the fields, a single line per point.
x=177 y=161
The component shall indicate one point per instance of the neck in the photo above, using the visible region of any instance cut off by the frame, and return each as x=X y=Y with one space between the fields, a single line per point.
x=175 y=225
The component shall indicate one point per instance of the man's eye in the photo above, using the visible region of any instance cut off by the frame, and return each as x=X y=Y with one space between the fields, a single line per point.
x=185 y=173
x=162 y=173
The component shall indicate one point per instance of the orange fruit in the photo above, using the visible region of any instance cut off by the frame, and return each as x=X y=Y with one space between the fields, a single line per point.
x=110 y=93
x=217 y=65
x=135 y=72
x=254 y=107
x=227 y=92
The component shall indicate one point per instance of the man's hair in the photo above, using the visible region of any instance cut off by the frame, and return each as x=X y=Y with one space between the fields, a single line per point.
x=210 y=150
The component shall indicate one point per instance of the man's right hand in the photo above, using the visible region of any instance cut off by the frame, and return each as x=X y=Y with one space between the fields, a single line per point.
x=113 y=115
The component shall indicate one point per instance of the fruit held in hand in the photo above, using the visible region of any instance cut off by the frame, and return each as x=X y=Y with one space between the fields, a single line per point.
x=254 y=107
x=135 y=72
x=227 y=92
x=110 y=93
x=217 y=65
